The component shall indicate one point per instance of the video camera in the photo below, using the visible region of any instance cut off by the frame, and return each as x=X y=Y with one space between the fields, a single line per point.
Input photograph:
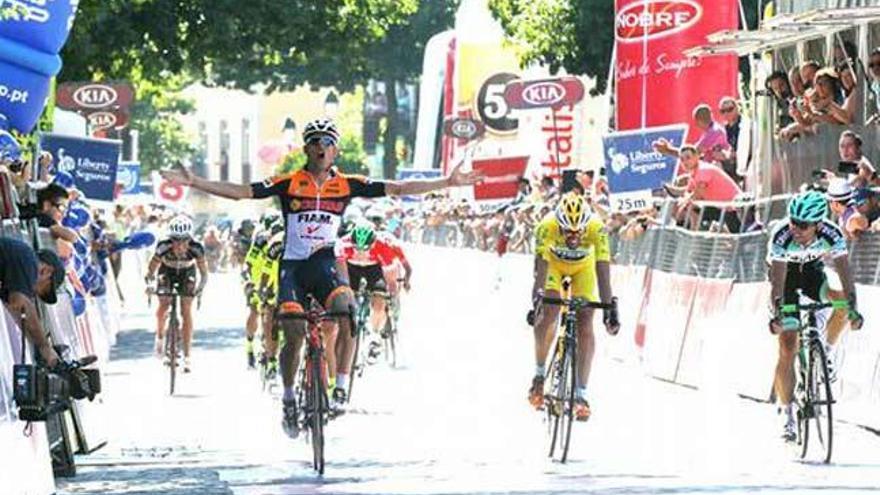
x=40 y=391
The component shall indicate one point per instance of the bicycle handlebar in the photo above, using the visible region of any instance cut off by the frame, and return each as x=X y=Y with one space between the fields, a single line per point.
x=577 y=302
x=794 y=308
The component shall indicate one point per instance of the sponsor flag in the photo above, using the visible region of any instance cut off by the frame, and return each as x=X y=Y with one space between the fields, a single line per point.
x=656 y=84
x=501 y=177
x=634 y=169
x=93 y=163
x=168 y=192
x=31 y=36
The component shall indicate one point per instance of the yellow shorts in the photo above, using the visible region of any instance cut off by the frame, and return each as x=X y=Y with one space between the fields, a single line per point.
x=583 y=278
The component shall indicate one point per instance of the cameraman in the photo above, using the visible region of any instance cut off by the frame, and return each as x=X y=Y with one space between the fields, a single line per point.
x=24 y=274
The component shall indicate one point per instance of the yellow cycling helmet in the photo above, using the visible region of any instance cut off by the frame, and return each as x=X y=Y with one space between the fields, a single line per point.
x=572 y=212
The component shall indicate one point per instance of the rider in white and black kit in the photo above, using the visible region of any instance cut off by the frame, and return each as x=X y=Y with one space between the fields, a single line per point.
x=176 y=259
x=797 y=252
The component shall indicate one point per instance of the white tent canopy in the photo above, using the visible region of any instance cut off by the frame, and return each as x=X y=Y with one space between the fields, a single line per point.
x=784 y=30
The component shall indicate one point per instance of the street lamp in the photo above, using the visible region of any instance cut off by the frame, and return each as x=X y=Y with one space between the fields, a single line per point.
x=331 y=105
x=289 y=130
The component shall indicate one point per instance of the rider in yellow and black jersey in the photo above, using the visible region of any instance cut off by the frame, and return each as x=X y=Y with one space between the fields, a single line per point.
x=570 y=242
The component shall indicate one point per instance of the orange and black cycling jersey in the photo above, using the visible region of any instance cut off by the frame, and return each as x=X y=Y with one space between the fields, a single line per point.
x=313 y=214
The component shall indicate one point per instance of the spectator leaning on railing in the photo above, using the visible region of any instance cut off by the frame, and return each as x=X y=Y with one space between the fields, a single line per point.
x=707 y=182
x=844 y=210
x=850 y=148
x=24 y=274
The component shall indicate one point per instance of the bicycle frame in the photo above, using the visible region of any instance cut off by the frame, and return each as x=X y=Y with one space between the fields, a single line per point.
x=560 y=401
x=813 y=378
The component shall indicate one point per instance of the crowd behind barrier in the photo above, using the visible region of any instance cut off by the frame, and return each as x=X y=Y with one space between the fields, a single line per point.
x=84 y=319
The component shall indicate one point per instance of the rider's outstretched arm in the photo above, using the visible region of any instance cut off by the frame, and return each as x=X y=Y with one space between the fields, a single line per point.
x=223 y=189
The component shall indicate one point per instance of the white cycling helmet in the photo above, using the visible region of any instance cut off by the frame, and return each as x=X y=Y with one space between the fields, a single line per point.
x=320 y=126
x=180 y=227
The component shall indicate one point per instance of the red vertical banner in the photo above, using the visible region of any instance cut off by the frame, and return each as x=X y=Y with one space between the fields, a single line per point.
x=656 y=84
x=448 y=143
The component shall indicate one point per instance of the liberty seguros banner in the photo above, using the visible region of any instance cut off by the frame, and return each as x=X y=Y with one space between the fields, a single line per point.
x=93 y=163
x=634 y=168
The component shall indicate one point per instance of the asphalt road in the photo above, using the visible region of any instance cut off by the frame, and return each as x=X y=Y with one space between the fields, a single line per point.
x=452 y=420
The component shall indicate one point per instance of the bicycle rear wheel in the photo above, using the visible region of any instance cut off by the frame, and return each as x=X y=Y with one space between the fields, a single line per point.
x=318 y=400
x=552 y=404
x=391 y=342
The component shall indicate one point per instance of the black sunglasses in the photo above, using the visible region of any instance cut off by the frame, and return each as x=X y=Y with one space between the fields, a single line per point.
x=60 y=206
x=324 y=141
x=802 y=225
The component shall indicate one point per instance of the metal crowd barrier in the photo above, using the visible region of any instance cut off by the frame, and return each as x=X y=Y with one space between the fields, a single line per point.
x=741 y=257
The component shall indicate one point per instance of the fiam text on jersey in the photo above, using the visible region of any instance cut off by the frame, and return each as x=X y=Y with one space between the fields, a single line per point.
x=313 y=217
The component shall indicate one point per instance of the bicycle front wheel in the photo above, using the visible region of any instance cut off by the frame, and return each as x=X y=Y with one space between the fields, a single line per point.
x=171 y=340
x=820 y=399
x=318 y=401
x=569 y=390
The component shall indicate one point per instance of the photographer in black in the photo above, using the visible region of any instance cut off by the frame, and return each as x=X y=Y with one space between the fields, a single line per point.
x=23 y=275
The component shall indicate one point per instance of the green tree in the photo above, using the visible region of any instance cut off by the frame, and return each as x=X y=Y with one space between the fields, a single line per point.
x=155 y=114
x=264 y=46
x=391 y=53
x=575 y=35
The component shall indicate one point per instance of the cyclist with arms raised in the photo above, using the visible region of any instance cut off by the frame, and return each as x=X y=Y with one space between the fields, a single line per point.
x=313 y=201
x=570 y=242
x=366 y=254
x=175 y=260
x=798 y=246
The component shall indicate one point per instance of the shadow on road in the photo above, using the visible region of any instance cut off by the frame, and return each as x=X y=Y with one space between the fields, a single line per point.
x=138 y=344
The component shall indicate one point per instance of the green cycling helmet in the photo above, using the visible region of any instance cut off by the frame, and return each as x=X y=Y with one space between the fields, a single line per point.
x=363 y=236
x=808 y=207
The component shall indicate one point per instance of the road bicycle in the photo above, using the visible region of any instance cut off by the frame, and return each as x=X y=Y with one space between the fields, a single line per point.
x=559 y=396
x=813 y=398
x=314 y=410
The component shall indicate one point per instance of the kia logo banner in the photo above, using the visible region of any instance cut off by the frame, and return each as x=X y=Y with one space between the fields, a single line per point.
x=85 y=96
x=656 y=84
x=631 y=163
x=464 y=128
x=502 y=177
x=93 y=163
x=31 y=36
x=544 y=93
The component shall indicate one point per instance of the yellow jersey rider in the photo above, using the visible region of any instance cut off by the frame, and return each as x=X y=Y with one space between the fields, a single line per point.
x=570 y=242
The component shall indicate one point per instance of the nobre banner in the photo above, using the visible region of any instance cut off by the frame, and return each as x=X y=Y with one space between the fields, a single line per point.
x=656 y=84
